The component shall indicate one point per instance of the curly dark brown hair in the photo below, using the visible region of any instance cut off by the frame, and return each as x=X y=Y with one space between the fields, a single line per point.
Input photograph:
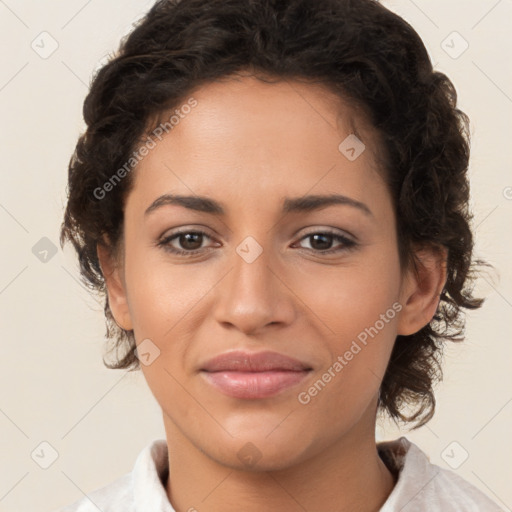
x=358 y=49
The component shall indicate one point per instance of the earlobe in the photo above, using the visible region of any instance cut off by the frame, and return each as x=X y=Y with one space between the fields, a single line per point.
x=115 y=285
x=422 y=290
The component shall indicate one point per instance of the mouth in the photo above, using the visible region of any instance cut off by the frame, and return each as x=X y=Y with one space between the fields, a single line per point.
x=253 y=376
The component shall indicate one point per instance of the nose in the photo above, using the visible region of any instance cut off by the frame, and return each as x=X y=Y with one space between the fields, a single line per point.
x=253 y=295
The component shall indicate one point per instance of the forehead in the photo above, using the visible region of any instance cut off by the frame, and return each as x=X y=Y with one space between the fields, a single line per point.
x=259 y=138
x=239 y=105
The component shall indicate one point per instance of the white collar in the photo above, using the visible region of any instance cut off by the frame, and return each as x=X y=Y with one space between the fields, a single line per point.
x=421 y=485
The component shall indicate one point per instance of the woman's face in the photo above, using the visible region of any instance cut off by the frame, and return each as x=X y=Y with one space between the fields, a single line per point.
x=278 y=269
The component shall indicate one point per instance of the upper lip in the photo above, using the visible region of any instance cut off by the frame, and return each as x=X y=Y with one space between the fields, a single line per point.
x=253 y=362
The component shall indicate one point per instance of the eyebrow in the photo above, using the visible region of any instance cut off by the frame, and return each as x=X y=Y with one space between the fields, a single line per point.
x=290 y=205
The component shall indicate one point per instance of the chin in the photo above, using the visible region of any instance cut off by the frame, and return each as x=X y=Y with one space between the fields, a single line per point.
x=258 y=452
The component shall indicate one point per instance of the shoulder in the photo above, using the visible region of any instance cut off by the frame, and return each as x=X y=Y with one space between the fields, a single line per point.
x=422 y=485
x=143 y=485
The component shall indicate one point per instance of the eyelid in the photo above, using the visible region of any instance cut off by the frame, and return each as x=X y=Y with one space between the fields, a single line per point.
x=328 y=230
x=194 y=228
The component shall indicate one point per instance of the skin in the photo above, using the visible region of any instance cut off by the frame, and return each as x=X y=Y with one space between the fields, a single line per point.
x=248 y=145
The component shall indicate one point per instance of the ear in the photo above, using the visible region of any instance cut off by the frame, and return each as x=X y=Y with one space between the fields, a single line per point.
x=116 y=287
x=421 y=290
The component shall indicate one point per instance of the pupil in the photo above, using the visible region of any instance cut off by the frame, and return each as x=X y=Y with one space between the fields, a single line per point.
x=187 y=241
x=326 y=244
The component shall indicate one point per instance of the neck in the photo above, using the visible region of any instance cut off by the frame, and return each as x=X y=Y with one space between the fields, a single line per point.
x=348 y=476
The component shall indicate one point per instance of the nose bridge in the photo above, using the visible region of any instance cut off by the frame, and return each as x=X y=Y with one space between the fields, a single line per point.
x=252 y=265
x=251 y=279
x=251 y=296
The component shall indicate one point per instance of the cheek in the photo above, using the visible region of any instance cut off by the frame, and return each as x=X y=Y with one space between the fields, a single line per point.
x=161 y=294
x=351 y=299
x=358 y=307
x=364 y=330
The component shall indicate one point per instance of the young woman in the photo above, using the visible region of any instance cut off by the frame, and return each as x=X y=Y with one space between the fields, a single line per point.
x=273 y=197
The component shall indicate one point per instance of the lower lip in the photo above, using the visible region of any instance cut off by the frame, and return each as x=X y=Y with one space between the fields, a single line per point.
x=253 y=385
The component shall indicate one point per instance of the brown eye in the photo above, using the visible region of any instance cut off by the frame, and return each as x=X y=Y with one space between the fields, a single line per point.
x=190 y=241
x=184 y=243
x=321 y=242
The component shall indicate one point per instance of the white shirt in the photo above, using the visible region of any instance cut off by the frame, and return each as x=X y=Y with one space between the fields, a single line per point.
x=421 y=486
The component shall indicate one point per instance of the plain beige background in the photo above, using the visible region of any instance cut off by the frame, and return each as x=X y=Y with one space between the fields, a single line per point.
x=94 y=421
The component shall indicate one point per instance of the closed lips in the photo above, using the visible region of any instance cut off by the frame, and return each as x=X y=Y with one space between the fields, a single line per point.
x=252 y=376
x=238 y=361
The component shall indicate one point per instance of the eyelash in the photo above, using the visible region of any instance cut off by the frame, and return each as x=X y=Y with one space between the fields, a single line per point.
x=165 y=243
